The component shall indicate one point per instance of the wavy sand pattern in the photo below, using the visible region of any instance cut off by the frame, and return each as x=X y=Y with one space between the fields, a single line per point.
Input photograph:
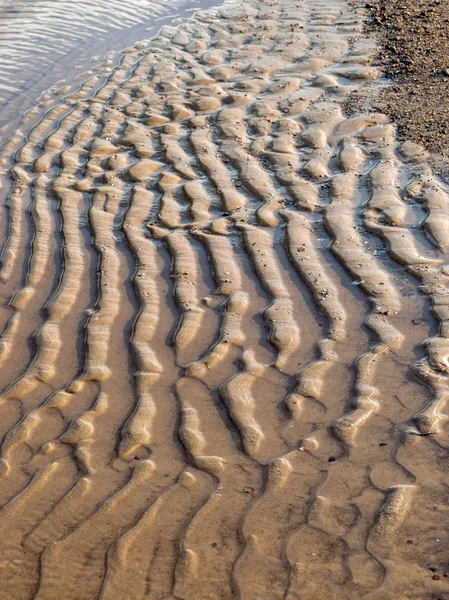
x=225 y=327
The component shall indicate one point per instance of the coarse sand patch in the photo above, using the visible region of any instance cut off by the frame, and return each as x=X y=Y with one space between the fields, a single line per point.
x=414 y=56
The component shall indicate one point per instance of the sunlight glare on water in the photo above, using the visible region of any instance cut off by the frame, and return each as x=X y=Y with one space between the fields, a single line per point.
x=43 y=42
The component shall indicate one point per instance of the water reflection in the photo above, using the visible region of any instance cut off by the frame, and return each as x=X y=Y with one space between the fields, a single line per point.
x=43 y=42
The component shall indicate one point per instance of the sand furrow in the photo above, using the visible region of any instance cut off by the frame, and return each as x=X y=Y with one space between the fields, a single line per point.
x=48 y=338
x=285 y=333
x=185 y=273
x=18 y=199
x=209 y=159
x=227 y=274
x=39 y=263
x=376 y=283
x=143 y=559
x=137 y=432
x=309 y=264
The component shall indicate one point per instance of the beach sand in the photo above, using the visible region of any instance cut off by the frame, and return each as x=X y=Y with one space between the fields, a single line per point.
x=414 y=56
x=224 y=312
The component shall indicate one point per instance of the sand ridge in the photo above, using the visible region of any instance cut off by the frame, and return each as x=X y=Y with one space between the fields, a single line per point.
x=224 y=327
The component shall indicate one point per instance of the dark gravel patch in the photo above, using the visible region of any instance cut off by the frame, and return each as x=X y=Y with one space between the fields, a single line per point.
x=414 y=54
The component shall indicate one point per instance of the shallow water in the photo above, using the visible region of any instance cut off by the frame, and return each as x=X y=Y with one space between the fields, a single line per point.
x=44 y=43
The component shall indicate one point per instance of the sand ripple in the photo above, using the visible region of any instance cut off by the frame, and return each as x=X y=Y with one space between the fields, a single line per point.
x=224 y=367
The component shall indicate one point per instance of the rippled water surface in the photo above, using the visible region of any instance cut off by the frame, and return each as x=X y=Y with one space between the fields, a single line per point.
x=48 y=42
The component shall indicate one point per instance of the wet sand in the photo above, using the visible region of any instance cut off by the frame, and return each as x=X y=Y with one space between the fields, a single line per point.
x=224 y=315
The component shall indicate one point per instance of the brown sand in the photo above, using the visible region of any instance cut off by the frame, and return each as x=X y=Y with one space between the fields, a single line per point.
x=414 y=54
x=224 y=323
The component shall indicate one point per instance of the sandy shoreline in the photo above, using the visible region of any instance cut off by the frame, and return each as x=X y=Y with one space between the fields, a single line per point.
x=414 y=55
x=224 y=350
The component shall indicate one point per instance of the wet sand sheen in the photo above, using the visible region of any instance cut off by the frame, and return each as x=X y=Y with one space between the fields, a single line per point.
x=224 y=323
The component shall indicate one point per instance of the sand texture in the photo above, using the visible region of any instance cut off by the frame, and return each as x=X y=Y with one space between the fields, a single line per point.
x=224 y=327
x=414 y=54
